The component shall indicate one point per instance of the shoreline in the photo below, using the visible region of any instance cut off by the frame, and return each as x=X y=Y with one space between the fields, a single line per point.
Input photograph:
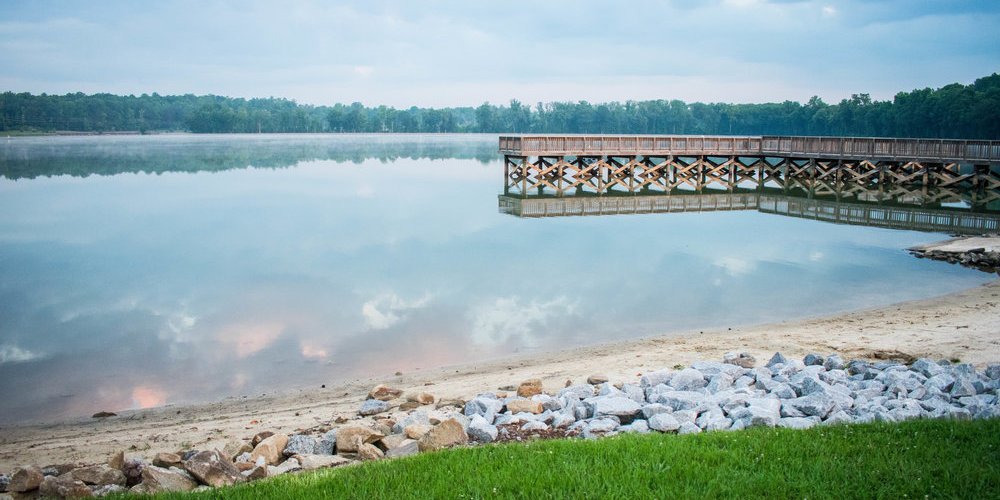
x=964 y=325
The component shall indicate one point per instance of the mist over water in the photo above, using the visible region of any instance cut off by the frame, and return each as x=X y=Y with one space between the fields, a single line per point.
x=144 y=271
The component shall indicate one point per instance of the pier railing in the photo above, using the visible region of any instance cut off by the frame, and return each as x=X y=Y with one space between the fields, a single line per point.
x=973 y=151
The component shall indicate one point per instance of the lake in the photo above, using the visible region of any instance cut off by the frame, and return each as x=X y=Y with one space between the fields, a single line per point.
x=147 y=270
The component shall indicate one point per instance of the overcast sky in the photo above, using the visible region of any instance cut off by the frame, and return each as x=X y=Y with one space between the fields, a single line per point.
x=466 y=52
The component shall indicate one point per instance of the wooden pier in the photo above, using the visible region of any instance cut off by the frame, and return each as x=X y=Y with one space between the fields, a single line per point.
x=601 y=164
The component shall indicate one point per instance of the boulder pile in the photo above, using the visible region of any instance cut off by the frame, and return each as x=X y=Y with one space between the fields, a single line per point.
x=707 y=396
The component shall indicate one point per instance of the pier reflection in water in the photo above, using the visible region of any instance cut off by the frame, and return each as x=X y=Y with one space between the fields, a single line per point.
x=941 y=210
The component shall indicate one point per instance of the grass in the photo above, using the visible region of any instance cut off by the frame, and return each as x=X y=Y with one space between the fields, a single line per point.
x=917 y=459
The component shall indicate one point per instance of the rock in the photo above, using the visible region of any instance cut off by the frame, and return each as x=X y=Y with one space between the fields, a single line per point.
x=597 y=379
x=927 y=367
x=391 y=441
x=260 y=436
x=664 y=422
x=813 y=360
x=622 y=407
x=839 y=417
x=25 y=479
x=530 y=387
x=658 y=377
x=188 y=454
x=299 y=444
x=833 y=362
x=597 y=427
x=283 y=468
x=64 y=487
x=688 y=379
x=271 y=449
x=346 y=437
x=524 y=406
x=157 y=479
x=688 y=428
x=796 y=423
x=409 y=406
x=213 y=468
x=417 y=417
x=373 y=407
x=327 y=444
x=777 y=359
x=579 y=391
x=741 y=359
x=368 y=452
x=815 y=405
x=993 y=372
x=410 y=447
x=235 y=448
x=117 y=460
x=456 y=402
x=423 y=398
x=168 y=460
x=100 y=475
x=606 y=389
x=484 y=407
x=481 y=430
x=417 y=431
x=963 y=387
x=534 y=425
x=447 y=433
x=384 y=393
x=109 y=489
x=255 y=473
x=549 y=403
x=4 y=481
x=133 y=471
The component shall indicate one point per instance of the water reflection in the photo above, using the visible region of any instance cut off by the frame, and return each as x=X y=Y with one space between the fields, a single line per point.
x=30 y=157
x=131 y=290
x=940 y=210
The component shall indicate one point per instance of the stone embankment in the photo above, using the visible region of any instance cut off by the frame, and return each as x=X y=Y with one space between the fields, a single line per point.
x=982 y=253
x=705 y=397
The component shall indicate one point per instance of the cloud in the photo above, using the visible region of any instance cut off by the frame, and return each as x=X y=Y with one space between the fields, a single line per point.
x=13 y=354
x=735 y=266
x=386 y=310
x=508 y=318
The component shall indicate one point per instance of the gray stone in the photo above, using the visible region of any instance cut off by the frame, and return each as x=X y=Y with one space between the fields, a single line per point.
x=562 y=420
x=664 y=422
x=685 y=416
x=688 y=379
x=4 y=481
x=652 y=409
x=744 y=381
x=606 y=389
x=484 y=407
x=858 y=367
x=796 y=423
x=963 y=387
x=719 y=382
x=682 y=400
x=300 y=444
x=622 y=407
x=813 y=359
x=549 y=403
x=741 y=359
x=635 y=393
x=313 y=462
x=534 y=425
x=780 y=390
x=411 y=447
x=327 y=444
x=656 y=378
x=374 y=407
x=942 y=382
x=639 y=426
x=597 y=427
x=421 y=417
x=578 y=391
x=927 y=367
x=839 y=417
x=777 y=359
x=833 y=362
x=481 y=430
x=109 y=489
x=287 y=466
x=688 y=428
x=993 y=372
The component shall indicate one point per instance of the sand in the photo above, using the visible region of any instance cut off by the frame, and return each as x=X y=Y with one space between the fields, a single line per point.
x=963 y=325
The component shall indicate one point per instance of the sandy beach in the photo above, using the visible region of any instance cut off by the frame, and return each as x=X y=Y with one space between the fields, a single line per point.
x=963 y=325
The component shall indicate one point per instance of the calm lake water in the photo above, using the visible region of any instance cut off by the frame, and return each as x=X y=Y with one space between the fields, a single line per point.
x=141 y=271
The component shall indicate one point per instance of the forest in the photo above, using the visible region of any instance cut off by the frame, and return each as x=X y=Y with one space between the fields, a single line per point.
x=953 y=111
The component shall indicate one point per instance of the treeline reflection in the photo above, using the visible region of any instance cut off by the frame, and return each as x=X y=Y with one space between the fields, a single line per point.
x=31 y=157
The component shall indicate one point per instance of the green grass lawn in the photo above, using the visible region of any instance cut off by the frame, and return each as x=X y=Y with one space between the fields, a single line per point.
x=917 y=459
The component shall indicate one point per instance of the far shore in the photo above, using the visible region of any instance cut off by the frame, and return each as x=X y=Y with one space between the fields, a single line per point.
x=962 y=326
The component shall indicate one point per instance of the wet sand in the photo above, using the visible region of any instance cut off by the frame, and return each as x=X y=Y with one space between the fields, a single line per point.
x=963 y=325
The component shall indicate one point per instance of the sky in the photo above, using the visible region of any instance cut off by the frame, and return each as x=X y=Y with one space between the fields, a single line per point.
x=464 y=53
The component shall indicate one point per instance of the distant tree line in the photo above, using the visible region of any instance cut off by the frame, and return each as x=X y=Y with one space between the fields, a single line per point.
x=952 y=111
